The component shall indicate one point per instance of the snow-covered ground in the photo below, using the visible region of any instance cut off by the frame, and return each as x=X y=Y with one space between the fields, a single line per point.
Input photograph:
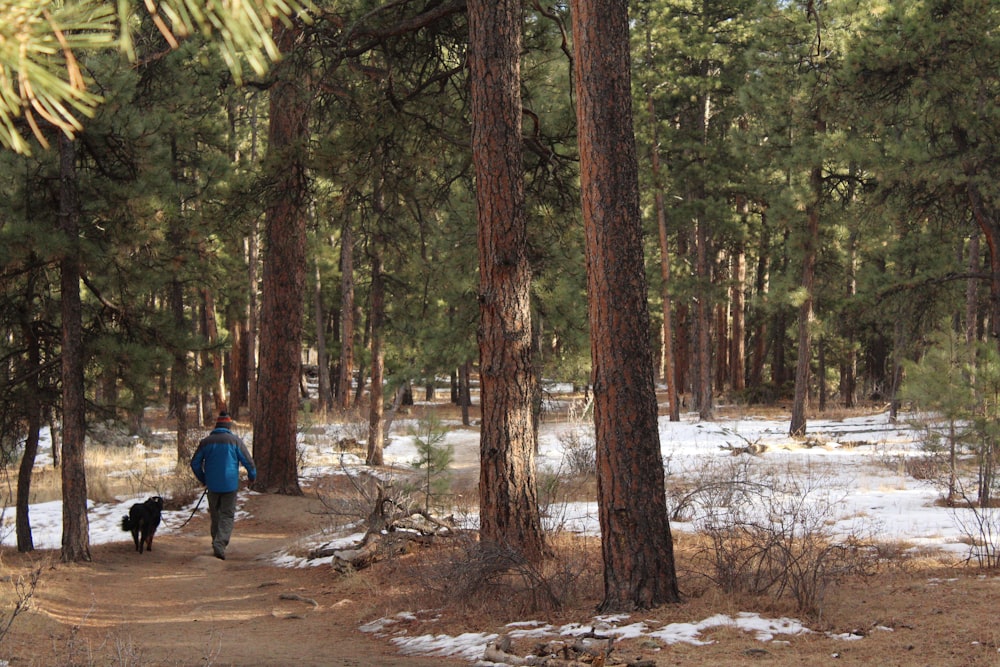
x=852 y=470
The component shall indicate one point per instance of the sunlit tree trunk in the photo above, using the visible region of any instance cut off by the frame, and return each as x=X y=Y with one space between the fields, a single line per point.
x=636 y=543
x=509 y=514
x=276 y=412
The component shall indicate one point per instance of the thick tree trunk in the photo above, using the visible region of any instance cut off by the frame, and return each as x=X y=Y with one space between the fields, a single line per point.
x=276 y=412
x=636 y=543
x=75 y=526
x=508 y=498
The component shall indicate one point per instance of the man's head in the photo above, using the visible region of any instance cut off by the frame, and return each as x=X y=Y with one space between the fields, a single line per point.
x=224 y=420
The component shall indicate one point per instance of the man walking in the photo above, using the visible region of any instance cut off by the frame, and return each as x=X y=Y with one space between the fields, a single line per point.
x=216 y=464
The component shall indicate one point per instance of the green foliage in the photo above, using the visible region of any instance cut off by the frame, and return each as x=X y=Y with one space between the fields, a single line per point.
x=960 y=384
x=434 y=458
x=42 y=44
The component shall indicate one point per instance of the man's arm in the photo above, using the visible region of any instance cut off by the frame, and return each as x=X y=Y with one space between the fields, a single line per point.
x=244 y=456
x=198 y=464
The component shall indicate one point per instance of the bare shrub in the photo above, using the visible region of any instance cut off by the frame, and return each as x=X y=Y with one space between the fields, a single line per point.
x=579 y=452
x=496 y=580
x=980 y=527
x=716 y=483
x=354 y=428
x=932 y=468
x=24 y=590
x=772 y=535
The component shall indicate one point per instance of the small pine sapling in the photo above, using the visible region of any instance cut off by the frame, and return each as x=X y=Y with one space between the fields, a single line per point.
x=434 y=458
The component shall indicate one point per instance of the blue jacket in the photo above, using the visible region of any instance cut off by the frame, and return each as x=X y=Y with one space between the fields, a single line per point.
x=216 y=462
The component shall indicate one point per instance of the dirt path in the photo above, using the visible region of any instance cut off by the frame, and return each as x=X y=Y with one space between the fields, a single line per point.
x=179 y=605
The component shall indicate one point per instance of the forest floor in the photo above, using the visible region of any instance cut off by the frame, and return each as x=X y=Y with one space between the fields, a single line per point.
x=178 y=605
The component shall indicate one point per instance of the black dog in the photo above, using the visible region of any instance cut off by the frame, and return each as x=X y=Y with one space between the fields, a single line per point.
x=142 y=520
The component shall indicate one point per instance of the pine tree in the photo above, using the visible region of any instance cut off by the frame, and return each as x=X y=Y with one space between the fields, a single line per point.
x=636 y=542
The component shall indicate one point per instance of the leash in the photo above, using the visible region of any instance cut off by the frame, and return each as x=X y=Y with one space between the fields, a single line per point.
x=197 y=505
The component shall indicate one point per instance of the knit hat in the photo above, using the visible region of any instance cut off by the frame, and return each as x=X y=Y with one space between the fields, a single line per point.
x=224 y=419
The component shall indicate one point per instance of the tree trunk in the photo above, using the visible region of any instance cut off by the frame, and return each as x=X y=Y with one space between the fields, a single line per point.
x=178 y=393
x=33 y=413
x=702 y=324
x=667 y=335
x=759 y=355
x=464 y=398
x=213 y=358
x=636 y=543
x=990 y=226
x=821 y=373
x=238 y=364
x=325 y=399
x=797 y=426
x=276 y=412
x=179 y=379
x=508 y=497
x=253 y=317
x=346 y=317
x=972 y=289
x=376 y=404
x=737 y=349
x=849 y=363
x=75 y=526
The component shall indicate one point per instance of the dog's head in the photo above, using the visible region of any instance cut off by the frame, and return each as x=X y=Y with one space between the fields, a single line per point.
x=155 y=502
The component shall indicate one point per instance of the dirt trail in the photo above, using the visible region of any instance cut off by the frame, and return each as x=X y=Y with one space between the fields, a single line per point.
x=179 y=605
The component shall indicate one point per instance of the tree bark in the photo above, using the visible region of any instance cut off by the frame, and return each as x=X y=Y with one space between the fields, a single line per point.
x=636 y=544
x=75 y=526
x=325 y=399
x=213 y=357
x=667 y=335
x=33 y=414
x=276 y=412
x=376 y=404
x=797 y=426
x=508 y=498
x=346 y=317
x=737 y=345
x=759 y=354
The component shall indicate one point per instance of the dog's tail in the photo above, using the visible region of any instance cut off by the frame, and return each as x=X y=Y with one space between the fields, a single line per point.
x=126 y=524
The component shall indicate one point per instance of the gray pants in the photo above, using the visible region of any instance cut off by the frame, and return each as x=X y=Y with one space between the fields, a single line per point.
x=222 y=509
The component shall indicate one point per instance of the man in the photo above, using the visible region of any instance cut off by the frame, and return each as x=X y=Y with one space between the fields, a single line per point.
x=216 y=464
